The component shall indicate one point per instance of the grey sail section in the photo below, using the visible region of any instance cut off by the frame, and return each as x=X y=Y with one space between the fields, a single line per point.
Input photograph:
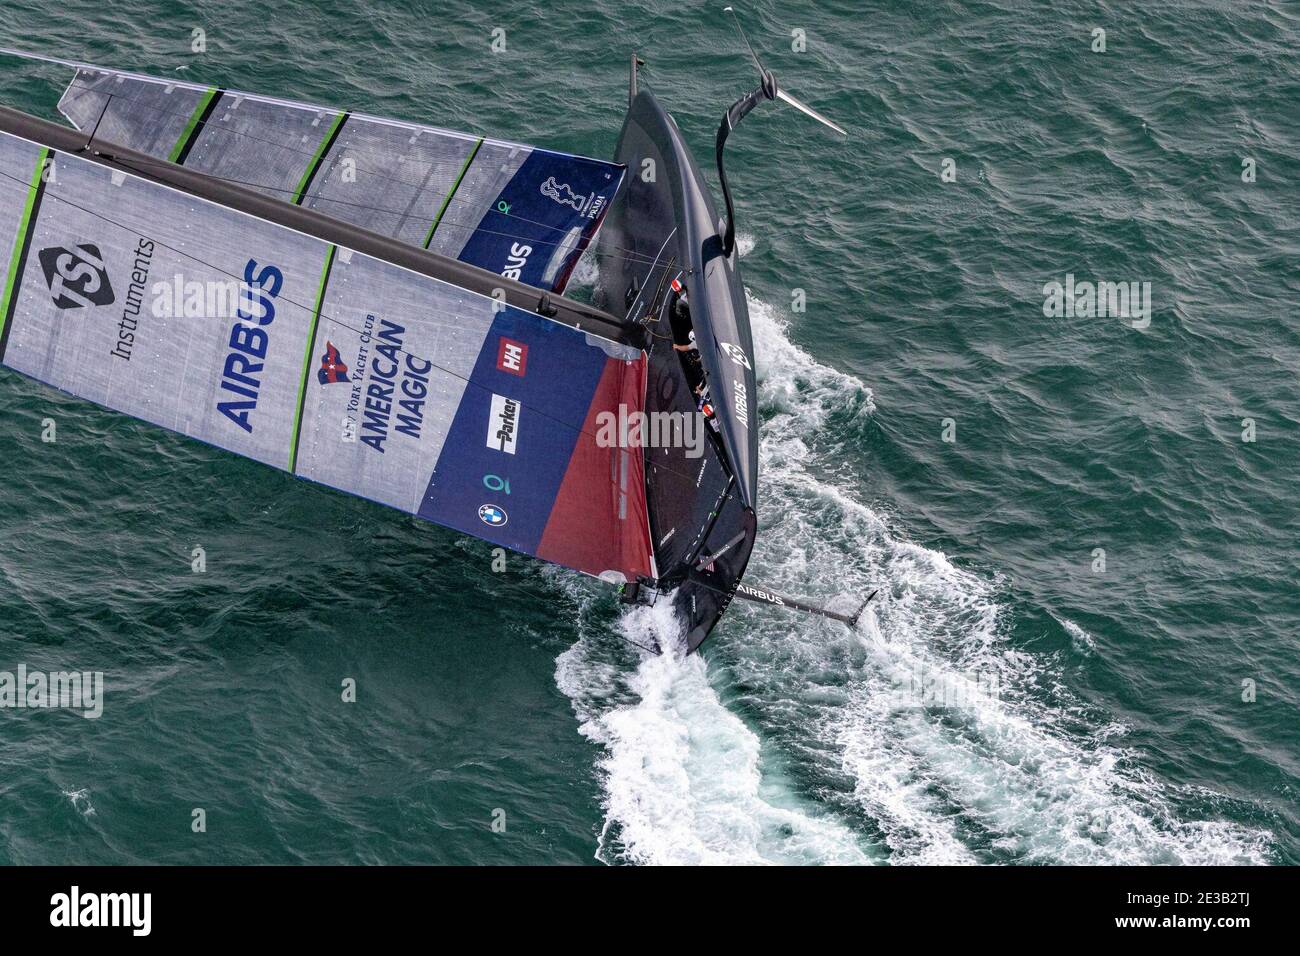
x=366 y=304
x=516 y=210
x=493 y=168
x=259 y=144
x=151 y=117
x=110 y=259
x=390 y=179
x=21 y=167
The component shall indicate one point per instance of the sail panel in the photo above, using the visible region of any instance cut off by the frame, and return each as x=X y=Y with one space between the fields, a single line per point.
x=259 y=144
x=24 y=164
x=602 y=494
x=95 y=314
x=369 y=357
x=518 y=211
x=508 y=427
x=150 y=117
x=318 y=360
x=417 y=172
x=481 y=180
x=540 y=209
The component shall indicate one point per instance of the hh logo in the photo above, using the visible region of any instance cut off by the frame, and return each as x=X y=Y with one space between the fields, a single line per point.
x=512 y=357
x=332 y=368
x=77 y=278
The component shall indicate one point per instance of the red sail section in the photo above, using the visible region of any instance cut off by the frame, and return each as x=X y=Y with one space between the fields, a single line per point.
x=599 y=521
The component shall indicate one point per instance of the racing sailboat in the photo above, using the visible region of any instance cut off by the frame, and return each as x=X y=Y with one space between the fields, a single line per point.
x=378 y=306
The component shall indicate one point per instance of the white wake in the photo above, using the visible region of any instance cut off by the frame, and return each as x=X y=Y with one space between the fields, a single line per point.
x=920 y=738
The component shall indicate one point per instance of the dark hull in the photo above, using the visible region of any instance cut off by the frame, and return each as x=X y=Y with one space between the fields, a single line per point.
x=702 y=516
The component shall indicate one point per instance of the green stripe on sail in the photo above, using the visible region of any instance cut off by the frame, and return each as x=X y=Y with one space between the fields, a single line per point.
x=317 y=158
x=306 y=359
x=188 y=133
x=454 y=186
x=20 y=243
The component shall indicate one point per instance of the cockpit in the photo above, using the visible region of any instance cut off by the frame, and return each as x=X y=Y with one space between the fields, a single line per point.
x=688 y=351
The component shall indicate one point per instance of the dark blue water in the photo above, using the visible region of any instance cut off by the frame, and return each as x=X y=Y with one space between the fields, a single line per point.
x=1094 y=716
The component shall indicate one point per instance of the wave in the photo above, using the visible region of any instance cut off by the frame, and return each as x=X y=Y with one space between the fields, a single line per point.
x=923 y=737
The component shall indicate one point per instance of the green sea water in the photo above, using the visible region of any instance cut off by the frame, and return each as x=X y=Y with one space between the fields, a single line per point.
x=1084 y=533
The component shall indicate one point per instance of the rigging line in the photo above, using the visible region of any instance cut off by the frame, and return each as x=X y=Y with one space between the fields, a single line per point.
x=91 y=140
x=373 y=171
x=654 y=311
x=641 y=290
x=653 y=308
x=332 y=319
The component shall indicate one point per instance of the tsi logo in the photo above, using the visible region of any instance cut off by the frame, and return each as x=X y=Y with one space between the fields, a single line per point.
x=77 y=278
x=503 y=424
x=103 y=909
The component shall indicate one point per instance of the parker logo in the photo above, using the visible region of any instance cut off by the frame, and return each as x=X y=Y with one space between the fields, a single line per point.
x=512 y=357
x=503 y=424
x=77 y=278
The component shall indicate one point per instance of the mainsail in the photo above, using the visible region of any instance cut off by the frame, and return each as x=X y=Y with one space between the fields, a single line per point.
x=515 y=210
x=314 y=358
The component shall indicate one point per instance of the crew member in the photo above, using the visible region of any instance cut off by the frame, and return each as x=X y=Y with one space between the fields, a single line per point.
x=679 y=318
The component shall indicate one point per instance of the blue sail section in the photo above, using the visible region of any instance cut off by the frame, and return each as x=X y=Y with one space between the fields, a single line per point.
x=539 y=223
x=514 y=433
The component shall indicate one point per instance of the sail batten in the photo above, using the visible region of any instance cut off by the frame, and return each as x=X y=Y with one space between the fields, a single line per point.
x=202 y=110
x=22 y=243
x=451 y=193
x=307 y=355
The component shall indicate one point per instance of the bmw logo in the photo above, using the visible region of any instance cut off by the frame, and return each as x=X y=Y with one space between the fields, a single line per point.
x=493 y=515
